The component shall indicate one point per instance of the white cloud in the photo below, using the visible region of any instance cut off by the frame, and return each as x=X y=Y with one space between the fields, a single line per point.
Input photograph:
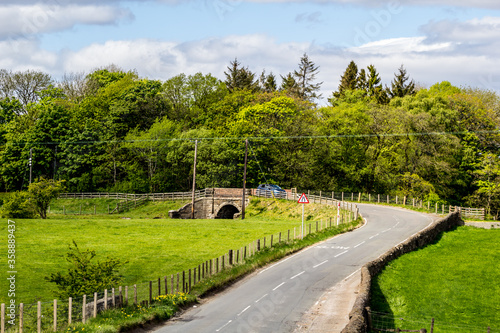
x=475 y=31
x=427 y=63
x=32 y=20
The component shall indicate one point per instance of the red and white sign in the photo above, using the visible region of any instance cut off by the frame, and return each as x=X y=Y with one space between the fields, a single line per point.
x=303 y=199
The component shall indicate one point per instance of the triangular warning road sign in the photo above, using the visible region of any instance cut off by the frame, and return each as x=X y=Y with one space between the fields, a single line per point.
x=303 y=199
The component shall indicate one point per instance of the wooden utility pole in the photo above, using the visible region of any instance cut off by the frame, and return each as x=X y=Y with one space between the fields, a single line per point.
x=31 y=163
x=194 y=177
x=244 y=181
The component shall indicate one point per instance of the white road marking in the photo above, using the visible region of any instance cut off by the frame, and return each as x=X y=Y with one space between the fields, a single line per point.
x=347 y=278
x=387 y=230
x=374 y=236
x=321 y=263
x=248 y=307
x=278 y=286
x=338 y=255
x=293 y=277
x=360 y=244
x=229 y=322
x=257 y=301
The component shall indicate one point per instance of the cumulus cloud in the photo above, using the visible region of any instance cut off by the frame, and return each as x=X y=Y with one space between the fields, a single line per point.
x=473 y=32
x=33 y=20
x=427 y=63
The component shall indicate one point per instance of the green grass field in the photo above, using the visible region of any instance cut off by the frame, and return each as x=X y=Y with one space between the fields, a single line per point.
x=455 y=281
x=153 y=245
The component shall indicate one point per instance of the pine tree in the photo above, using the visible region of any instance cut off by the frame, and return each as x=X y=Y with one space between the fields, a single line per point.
x=268 y=82
x=374 y=86
x=362 y=80
x=240 y=78
x=348 y=81
x=289 y=85
x=305 y=77
x=399 y=86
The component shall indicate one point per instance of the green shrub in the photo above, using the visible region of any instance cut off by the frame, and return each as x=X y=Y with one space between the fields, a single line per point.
x=18 y=205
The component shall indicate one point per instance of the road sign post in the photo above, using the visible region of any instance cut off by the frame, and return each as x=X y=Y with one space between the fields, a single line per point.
x=303 y=200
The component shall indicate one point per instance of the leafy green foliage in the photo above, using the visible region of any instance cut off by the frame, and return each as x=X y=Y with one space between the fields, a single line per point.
x=17 y=206
x=85 y=277
x=42 y=192
x=111 y=130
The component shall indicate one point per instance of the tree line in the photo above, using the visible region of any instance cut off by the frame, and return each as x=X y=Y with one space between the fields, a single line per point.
x=111 y=130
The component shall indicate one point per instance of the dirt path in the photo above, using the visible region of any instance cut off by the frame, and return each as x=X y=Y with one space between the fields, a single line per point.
x=331 y=312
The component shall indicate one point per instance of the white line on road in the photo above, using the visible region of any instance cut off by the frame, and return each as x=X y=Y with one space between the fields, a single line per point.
x=229 y=322
x=360 y=244
x=257 y=301
x=278 y=286
x=347 y=278
x=338 y=255
x=374 y=236
x=321 y=263
x=248 y=307
x=293 y=277
x=387 y=230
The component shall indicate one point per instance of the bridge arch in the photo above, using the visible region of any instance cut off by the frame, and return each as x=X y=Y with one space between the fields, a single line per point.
x=226 y=211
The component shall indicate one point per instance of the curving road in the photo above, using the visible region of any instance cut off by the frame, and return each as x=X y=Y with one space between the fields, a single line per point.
x=275 y=298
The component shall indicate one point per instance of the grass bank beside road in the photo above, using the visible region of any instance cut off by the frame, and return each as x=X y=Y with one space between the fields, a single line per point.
x=154 y=245
x=454 y=281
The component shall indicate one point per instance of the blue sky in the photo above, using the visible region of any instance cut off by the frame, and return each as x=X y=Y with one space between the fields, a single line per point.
x=458 y=41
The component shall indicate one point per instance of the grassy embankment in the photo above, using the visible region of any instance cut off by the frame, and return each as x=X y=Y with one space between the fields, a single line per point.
x=454 y=281
x=153 y=245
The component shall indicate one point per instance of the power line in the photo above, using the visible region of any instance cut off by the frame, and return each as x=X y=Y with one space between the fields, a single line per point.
x=255 y=138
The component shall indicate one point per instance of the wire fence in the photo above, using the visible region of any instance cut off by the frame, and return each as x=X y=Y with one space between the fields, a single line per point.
x=384 y=322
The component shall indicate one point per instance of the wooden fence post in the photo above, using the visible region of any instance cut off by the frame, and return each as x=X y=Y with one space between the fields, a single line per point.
x=135 y=294
x=159 y=286
x=150 y=292
x=84 y=308
x=189 y=290
x=120 y=296
x=21 y=315
x=271 y=241
x=2 y=318
x=178 y=278
x=113 y=297
x=55 y=315
x=432 y=325
x=95 y=306
x=230 y=255
x=258 y=245
x=70 y=309
x=183 y=281
x=166 y=284
x=126 y=295
x=172 y=283
x=39 y=316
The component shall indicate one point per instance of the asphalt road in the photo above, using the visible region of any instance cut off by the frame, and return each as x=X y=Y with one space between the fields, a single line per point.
x=275 y=298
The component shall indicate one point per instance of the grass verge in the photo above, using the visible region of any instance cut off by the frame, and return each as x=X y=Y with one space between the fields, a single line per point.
x=452 y=280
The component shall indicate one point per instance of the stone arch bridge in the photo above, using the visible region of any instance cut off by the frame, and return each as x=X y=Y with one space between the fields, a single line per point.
x=214 y=203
